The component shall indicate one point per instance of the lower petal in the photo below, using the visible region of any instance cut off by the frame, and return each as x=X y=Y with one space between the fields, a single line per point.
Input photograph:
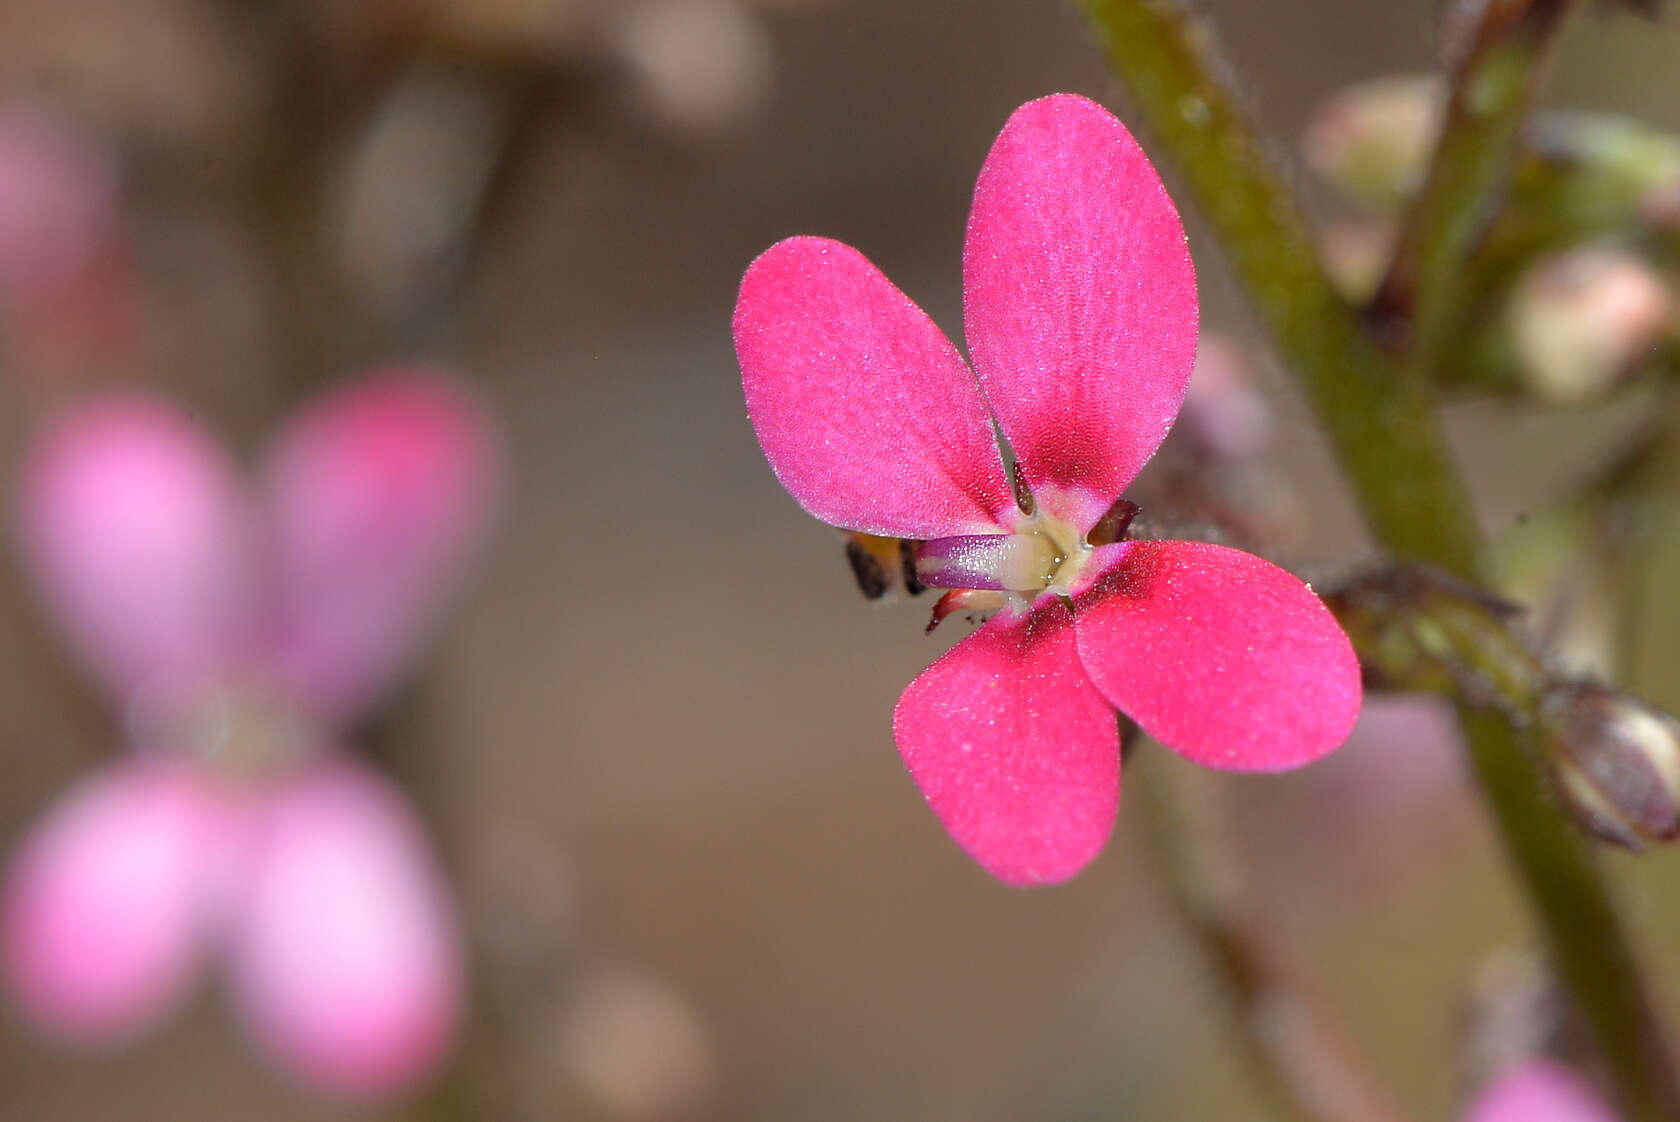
x=1539 y=1091
x=1221 y=656
x=1014 y=749
x=106 y=902
x=346 y=959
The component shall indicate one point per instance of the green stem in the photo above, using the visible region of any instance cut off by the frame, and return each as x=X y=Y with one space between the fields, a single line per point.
x=1384 y=430
x=1487 y=108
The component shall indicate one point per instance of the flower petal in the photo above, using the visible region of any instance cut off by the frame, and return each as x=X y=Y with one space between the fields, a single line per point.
x=346 y=961
x=869 y=416
x=106 y=902
x=137 y=535
x=1013 y=748
x=1079 y=302
x=381 y=492
x=1539 y=1091
x=1224 y=658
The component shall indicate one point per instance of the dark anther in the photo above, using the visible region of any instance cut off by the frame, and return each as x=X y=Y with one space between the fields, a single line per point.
x=907 y=566
x=1111 y=527
x=1023 y=495
x=867 y=570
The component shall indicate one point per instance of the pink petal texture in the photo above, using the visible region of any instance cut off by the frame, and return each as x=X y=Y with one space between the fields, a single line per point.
x=1539 y=1091
x=345 y=956
x=381 y=493
x=107 y=901
x=868 y=414
x=1079 y=302
x=1224 y=658
x=137 y=536
x=1015 y=751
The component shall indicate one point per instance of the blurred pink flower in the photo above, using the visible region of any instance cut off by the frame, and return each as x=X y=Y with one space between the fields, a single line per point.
x=239 y=638
x=1539 y=1091
x=67 y=297
x=1080 y=310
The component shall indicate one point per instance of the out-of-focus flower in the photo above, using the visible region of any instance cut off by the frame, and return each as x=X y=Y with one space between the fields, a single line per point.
x=1080 y=308
x=1582 y=319
x=1539 y=1091
x=67 y=298
x=1372 y=140
x=239 y=638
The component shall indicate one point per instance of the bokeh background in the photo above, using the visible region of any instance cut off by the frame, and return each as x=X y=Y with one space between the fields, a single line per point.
x=654 y=742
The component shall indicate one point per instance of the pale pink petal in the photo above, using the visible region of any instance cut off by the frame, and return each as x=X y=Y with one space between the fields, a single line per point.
x=107 y=902
x=381 y=493
x=1013 y=749
x=346 y=960
x=137 y=535
x=865 y=409
x=1224 y=658
x=1079 y=302
x=1539 y=1091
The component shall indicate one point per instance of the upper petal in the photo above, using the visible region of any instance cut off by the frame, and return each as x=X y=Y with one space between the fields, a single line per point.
x=1079 y=301
x=346 y=959
x=1539 y=1091
x=1014 y=750
x=136 y=531
x=869 y=416
x=1219 y=655
x=107 y=902
x=381 y=492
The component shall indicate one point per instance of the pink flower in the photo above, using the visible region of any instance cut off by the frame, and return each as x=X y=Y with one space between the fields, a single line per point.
x=67 y=298
x=1080 y=311
x=1539 y=1091
x=239 y=638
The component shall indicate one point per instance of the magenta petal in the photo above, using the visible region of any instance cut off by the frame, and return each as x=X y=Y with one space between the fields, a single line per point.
x=869 y=416
x=381 y=492
x=106 y=902
x=1014 y=750
x=1539 y=1091
x=137 y=535
x=1079 y=302
x=1224 y=658
x=346 y=960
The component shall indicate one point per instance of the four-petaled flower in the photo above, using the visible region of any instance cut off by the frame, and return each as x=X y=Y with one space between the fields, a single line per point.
x=238 y=640
x=1079 y=304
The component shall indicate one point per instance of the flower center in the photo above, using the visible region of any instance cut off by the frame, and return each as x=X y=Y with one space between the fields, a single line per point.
x=1043 y=553
x=240 y=729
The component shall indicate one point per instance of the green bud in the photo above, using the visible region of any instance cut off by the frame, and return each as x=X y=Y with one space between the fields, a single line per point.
x=1581 y=320
x=1614 y=761
x=1372 y=141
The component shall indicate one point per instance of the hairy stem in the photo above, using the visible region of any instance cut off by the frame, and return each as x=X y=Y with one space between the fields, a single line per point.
x=1381 y=423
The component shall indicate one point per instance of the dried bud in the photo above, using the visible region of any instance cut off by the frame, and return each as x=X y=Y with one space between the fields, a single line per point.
x=1581 y=320
x=1372 y=140
x=1615 y=763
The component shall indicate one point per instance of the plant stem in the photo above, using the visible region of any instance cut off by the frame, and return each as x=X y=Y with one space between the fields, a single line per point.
x=1292 y=1040
x=1499 y=64
x=1383 y=428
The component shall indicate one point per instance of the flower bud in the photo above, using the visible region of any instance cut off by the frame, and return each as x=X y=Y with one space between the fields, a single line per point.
x=1614 y=761
x=1582 y=319
x=1372 y=140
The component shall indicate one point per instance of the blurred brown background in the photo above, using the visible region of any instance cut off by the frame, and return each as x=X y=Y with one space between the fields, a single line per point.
x=657 y=733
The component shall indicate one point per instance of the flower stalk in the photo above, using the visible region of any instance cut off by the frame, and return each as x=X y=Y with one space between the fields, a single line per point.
x=1380 y=420
x=1292 y=1039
